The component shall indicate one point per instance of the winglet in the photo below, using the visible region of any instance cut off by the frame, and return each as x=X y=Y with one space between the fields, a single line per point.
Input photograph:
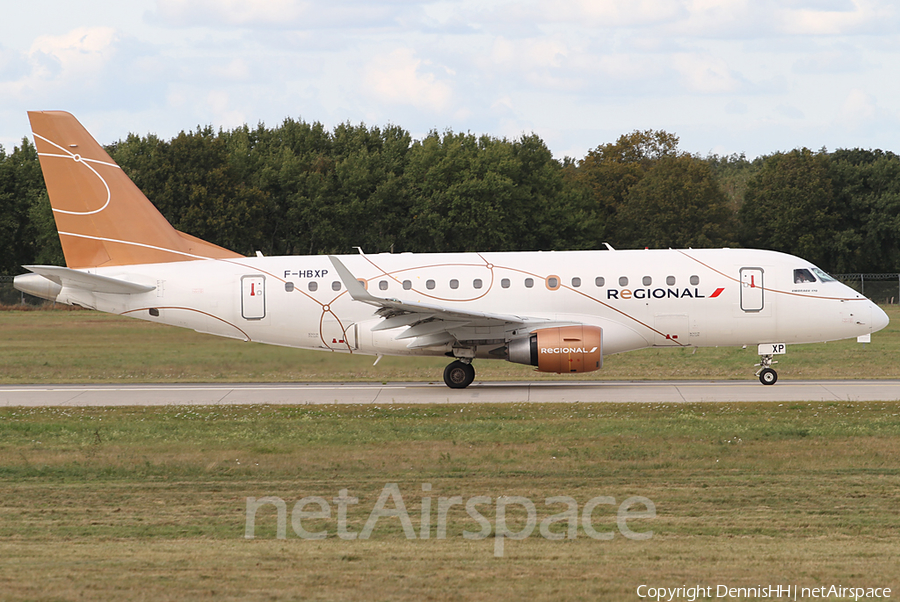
x=354 y=286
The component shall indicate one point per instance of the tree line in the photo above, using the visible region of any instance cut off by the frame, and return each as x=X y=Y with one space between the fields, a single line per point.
x=300 y=188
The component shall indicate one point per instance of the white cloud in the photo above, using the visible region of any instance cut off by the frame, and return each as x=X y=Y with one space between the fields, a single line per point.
x=861 y=15
x=736 y=107
x=545 y=63
x=401 y=78
x=789 y=111
x=615 y=13
x=222 y=110
x=530 y=53
x=67 y=65
x=236 y=70
x=861 y=113
x=231 y=12
x=750 y=75
x=832 y=60
x=82 y=52
x=705 y=74
x=284 y=14
x=726 y=19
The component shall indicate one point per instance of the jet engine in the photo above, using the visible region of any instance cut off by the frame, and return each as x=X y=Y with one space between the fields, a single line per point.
x=561 y=350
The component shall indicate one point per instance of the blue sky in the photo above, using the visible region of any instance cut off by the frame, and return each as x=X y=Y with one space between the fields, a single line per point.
x=726 y=76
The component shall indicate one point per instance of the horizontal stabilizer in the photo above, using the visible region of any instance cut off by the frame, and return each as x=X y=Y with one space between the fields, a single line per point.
x=89 y=282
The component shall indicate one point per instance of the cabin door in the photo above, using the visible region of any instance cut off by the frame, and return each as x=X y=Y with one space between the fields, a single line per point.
x=752 y=290
x=253 y=297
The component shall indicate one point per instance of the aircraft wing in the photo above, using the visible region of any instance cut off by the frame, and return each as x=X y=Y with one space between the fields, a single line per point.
x=431 y=324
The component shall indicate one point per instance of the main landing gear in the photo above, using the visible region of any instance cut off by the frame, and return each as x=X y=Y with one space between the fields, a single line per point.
x=459 y=374
x=766 y=374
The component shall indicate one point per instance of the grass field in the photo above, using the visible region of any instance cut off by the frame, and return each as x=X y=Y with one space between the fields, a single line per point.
x=87 y=346
x=151 y=503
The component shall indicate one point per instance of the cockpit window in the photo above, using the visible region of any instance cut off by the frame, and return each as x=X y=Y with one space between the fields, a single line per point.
x=802 y=276
x=822 y=275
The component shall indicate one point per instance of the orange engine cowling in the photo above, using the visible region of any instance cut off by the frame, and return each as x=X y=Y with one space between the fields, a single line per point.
x=561 y=350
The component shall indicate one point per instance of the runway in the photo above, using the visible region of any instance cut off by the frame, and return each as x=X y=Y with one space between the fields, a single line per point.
x=425 y=393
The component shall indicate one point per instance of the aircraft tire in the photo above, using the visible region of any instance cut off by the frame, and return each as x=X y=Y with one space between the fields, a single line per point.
x=768 y=376
x=459 y=375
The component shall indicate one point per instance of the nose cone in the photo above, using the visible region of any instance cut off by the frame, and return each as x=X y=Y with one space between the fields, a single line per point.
x=879 y=318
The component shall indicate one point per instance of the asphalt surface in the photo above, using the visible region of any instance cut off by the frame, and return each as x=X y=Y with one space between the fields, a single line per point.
x=415 y=393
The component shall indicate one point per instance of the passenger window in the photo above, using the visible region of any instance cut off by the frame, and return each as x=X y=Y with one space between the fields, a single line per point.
x=335 y=286
x=505 y=283
x=576 y=282
x=288 y=286
x=429 y=284
x=529 y=282
x=313 y=286
x=623 y=281
x=477 y=283
x=407 y=285
x=670 y=280
x=383 y=285
x=553 y=283
x=647 y=281
x=599 y=281
x=695 y=280
x=454 y=284
x=803 y=276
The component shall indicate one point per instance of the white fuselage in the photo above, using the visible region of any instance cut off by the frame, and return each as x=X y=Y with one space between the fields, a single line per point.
x=702 y=297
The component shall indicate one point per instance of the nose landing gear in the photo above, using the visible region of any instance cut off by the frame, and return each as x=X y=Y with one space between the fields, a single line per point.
x=766 y=374
x=459 y=374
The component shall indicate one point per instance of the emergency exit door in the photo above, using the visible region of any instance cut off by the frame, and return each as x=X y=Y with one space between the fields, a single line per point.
x=752 y=290
x=253 y=297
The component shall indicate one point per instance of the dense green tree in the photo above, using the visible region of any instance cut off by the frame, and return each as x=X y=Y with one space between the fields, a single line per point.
x=12 y=216
x=733 y=172
x=867 y=192
x=192 y=183
x=23 y=198
x=473 y=193
x=300 y=188
x=611 y=170
x=676 y=204
x=790 y=206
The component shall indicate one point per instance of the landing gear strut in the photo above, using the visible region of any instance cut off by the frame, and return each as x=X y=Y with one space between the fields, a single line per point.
x=459 y=374
x=766 y=374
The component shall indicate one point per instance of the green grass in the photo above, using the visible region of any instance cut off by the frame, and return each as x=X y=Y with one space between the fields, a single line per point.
x=89 y=347
x=150 y=503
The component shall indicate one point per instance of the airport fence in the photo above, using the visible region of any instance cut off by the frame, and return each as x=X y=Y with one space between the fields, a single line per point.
x=881 y=288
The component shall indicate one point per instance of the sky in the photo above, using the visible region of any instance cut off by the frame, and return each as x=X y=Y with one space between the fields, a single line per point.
x=725 y=76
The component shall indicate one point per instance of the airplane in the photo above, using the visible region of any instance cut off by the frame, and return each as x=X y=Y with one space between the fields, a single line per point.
x=559 y=311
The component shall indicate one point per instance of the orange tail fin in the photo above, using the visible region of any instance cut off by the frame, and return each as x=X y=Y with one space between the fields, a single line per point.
x=102 y=217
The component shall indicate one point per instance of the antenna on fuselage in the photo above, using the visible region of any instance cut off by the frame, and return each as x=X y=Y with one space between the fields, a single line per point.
x=608 y=246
